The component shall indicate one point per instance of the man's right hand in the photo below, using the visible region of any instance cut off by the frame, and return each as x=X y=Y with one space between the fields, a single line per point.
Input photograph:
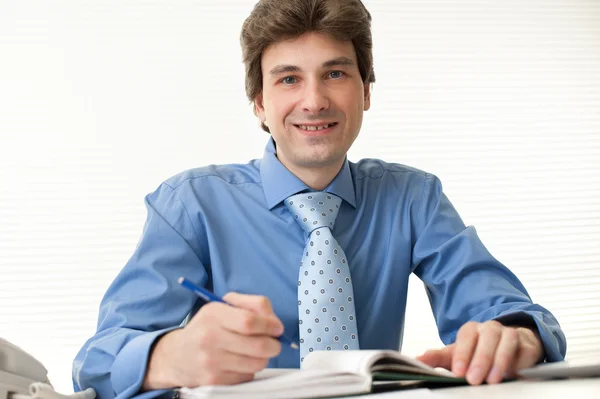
x=221 y=345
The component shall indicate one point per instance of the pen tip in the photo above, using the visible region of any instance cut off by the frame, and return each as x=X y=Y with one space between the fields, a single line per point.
x=180 y=280
x=295 y=345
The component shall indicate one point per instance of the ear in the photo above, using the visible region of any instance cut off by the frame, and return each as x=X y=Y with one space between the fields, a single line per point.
x=367 y=96
x=259 y=108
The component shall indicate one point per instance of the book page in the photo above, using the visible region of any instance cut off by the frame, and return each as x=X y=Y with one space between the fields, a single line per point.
x=363 y=361
x=285 y=383
x=355 y=361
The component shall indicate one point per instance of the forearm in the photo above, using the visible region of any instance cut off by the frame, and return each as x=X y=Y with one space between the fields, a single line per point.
x=466 y=283
x=142 y=304
x=113 y=362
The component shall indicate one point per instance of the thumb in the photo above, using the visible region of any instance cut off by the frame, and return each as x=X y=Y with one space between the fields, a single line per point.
x=438 y=357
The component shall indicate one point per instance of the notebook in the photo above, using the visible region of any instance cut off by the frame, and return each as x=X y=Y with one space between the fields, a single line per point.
x=331 y=373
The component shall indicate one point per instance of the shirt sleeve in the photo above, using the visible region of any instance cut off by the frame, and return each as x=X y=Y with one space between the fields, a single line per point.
x=143 y=302
x=464 y=282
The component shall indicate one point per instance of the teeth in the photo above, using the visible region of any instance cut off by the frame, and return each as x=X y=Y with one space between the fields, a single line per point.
x=311 y=128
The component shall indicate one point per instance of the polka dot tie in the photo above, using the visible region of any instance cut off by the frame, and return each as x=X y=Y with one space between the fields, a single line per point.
x=327 y=319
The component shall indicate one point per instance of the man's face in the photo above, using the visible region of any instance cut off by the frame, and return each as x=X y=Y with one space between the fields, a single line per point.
x=313 y=100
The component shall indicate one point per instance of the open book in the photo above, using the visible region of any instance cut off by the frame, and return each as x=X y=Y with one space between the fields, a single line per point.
x=331 y=373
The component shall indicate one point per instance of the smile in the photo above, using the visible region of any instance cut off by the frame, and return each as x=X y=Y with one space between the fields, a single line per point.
x=314 y=128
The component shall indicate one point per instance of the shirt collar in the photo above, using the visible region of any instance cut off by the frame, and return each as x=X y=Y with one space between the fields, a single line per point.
x=279 y=183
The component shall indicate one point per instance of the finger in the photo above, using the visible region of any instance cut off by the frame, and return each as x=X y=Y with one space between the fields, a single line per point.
x=257 y=303
x=253 y=346
x=233 y=362
x=466 y=341
x=506 y=354
x=241 y=321
x=218 y=377
x=438 y=357
x=483 y=357
x=248 y=322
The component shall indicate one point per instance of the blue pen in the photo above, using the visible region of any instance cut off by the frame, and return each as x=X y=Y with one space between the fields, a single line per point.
x=210 y=297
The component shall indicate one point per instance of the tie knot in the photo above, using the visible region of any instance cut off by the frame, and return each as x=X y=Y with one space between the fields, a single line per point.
x=314 y=210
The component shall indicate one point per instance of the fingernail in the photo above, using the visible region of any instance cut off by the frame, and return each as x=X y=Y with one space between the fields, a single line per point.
x=495 y=375
x=278 y=330
x=475 y=375
x=460 y=367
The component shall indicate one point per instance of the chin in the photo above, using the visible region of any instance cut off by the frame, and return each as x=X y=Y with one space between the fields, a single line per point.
x=318 y=159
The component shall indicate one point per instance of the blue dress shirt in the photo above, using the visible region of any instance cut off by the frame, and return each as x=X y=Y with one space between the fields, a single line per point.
x=226 y=228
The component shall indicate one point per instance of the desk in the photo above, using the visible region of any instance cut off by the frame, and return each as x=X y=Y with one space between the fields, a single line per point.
x=588 y=388
x=560 y=389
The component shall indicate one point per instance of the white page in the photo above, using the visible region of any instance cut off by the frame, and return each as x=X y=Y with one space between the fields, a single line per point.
x=286 y=383
x=360 y=361
x=423 y=393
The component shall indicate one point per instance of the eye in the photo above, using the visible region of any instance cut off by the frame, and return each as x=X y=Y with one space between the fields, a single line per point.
x=288 y=80
x=336 y=74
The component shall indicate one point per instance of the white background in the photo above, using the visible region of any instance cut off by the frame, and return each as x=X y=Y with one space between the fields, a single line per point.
x=102 y=100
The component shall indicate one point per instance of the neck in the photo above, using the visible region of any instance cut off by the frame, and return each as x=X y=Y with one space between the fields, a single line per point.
x=316 y=178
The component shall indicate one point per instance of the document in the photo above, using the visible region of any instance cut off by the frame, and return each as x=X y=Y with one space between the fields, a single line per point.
x=331 y=374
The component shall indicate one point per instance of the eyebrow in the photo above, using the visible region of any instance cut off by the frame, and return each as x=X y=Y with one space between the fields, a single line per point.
x=339 y=61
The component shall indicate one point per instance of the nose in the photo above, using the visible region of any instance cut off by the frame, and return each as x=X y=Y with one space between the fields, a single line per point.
x=315 y=98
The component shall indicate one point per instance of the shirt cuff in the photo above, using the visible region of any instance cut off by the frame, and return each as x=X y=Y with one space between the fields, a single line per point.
x=129 y=368
x=551 y=344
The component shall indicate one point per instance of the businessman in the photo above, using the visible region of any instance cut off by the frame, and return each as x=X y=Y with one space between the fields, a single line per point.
x=304 y=242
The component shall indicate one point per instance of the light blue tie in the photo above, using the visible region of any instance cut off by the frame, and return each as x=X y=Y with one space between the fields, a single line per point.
x=325 y=298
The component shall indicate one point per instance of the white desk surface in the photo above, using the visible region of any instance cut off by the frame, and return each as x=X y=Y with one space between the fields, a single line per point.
x=560 y=389
x=563 y=389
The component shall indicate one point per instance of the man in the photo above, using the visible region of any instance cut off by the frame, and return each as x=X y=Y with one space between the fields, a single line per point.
x=304 y=242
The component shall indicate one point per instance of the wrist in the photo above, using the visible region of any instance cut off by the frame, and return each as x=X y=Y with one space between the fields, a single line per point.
x=538 y=339
x=159 y=370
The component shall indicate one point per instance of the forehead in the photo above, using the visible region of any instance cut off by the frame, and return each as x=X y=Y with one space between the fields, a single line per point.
x=307 y=51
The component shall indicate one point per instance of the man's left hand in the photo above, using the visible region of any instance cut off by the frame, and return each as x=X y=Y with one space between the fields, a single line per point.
x=487 y=351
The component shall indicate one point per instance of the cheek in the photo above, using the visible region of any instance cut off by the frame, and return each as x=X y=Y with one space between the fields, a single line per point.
x=277 y=110
x=282 y=112
x=352 y=103
x=354 y=111
x=360 y=105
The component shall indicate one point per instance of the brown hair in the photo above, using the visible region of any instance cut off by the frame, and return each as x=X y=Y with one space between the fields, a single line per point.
x=275 y=20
